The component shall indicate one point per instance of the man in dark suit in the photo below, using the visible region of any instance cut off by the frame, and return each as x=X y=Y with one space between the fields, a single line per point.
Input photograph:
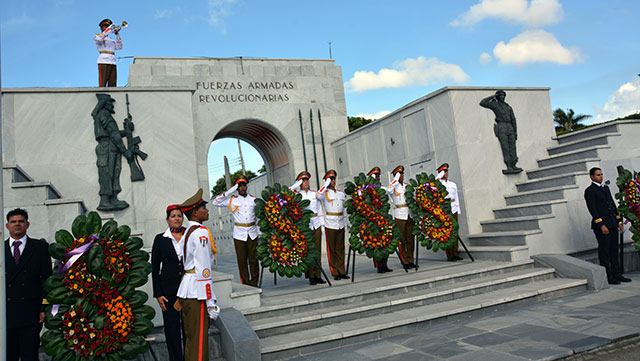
x=605 y=222
x=28 y=265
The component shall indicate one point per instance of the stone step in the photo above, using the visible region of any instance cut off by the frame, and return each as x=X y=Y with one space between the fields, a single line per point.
x=528 y=209
x=291 y=303
x=537 y=195
x=609 y=129
x=548 y=182
x=24 y=194
x=408 y=320
x=499 y=253
x=526 y=223
x=602 y=139
x=575 y=166
x=386 y=304
x=17 y=174
x=504 y=238
x=592 y=152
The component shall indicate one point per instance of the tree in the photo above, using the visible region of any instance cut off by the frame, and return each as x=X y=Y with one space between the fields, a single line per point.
x=262 y=169
x=357 y=122
x=221 y=185
x=569 y=120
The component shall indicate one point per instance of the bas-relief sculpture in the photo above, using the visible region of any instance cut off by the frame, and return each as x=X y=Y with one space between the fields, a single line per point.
x=505 y=129
x=110 y=150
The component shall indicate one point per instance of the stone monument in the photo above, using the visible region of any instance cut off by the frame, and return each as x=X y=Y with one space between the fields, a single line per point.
x=505 y=129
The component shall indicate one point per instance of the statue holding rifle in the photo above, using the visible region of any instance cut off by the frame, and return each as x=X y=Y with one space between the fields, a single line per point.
x=110 y=150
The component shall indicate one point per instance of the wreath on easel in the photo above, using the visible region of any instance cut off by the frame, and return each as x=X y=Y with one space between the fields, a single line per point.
x=94 y=311
x=373 y=230
x=286 y=244
x=629 y=201
x=435 y=227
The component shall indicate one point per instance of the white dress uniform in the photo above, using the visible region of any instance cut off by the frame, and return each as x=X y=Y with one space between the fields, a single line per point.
x=452 y=189
x=107 y=47
x=243 y=210
x=404 y=219
x=334 y=212
x=197 y=282
x=396 y=191
x=317 y=220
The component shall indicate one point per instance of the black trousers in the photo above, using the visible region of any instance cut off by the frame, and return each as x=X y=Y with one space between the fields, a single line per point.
x=23 y=342
x=608 y=251
x=173 y=330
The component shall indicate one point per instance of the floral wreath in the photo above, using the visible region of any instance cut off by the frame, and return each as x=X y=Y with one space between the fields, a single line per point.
x=436 y=228
x=629 y=197
x=373 y=230
x=94 y=310
x=284 y=245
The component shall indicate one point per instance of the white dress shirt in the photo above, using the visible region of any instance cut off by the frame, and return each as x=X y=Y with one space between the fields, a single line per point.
x=106 y=44
x=334 y=211
x=197 y=282
x=177 y=245
x=23 y=244
x=243 y=210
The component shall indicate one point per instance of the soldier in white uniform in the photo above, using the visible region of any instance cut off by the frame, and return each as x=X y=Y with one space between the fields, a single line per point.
x=403 y=216
x=452 y=189
x=195 y=294
x=245 y=231
x=334 y=221
x=107 y=71
x=302 y=183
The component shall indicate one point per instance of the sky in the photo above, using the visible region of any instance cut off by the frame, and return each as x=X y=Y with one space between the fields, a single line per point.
x=391 y=53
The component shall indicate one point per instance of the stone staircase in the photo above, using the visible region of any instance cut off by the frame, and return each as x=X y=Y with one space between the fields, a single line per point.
x=292 y=324
x=545 y=194
x=48 y=210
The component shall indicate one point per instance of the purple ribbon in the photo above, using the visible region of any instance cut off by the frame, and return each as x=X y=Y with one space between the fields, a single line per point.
x=365 y=187
x=427 y=186
x=72 y=256
x=281 y=201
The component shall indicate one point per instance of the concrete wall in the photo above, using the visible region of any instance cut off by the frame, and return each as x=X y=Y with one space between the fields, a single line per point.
x=450 y=126
x=49 y=134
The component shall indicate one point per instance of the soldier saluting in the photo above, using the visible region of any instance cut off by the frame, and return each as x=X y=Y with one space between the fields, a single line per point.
x=334 y=220
x=505 y=129
x=403 y=216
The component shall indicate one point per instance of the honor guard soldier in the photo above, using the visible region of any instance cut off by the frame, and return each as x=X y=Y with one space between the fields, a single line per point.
x=382 y=264
x=107 y=71
x=452 y=190
x=196 y=298
x=334 y=221
x=302 y=183
x=245 y=231
x=403 y=216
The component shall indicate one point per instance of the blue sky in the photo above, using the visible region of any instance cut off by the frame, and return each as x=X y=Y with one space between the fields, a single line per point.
x=390 y=52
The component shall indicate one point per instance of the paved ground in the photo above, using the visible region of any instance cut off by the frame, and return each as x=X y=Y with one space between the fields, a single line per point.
x=549 y=330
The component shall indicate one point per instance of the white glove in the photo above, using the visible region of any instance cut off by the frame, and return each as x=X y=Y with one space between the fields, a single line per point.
x=396 y=177
x=440 y=175
x=325 y=185
x=296 y=185
x=231 y=190
x=213 y=309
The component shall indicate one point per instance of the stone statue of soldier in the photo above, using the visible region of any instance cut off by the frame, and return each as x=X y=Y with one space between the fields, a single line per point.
x=109 y=151
x=505 y=129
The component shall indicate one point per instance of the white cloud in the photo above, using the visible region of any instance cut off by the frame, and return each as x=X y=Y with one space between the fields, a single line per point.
x=218 y=11
x=167 y=13
x=624 y=101
x=485 y=58
x=406 y=73
x=374 y=116
x=529 y=13
x=535 y=46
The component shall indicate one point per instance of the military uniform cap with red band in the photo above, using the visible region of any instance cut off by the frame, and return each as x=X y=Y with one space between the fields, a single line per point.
x=330 y=173
x=397 y=169
x=444 y=166
x=242 y=179
x=172 y=207
x=303 y=174
x=193 y=202
x=374 y=170
x=105 y=22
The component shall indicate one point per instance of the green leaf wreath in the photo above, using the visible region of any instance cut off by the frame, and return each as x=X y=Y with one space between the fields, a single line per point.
x=286 y=245
x=95 y=311
x=373 y=230
x=629 y=201
x=435 y=226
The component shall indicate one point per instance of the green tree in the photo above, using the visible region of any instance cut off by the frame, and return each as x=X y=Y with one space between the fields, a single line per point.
x=221 y=186
x=568 y=120
x=357 y=122
x=262 y=169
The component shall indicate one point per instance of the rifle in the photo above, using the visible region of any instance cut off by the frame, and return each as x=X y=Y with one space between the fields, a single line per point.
x=133 y=145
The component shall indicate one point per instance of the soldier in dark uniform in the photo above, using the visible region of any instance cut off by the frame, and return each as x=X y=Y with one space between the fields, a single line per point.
x=505 y=129
x=605 y=223
x=109 y=152
x=382 y=264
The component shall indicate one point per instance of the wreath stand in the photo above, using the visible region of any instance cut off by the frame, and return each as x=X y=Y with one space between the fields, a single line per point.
x=275 y=275
x=353 y=266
